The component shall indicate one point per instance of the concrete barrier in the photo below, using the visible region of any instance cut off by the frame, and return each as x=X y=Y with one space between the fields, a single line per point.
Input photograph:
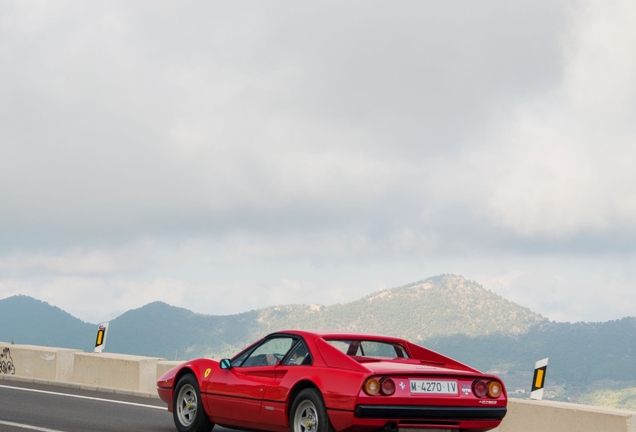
x=164 y=366
x=546 y=416
x=138 y=375
x=30 y=361
x=116 y=370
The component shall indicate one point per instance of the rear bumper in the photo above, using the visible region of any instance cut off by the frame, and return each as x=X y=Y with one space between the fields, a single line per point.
x=428 y=412
x=370 y=418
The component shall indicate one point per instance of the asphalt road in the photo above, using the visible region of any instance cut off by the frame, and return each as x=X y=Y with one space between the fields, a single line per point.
x=44 y=408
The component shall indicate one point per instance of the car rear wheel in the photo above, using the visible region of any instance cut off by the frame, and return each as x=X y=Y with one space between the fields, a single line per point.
x=308 y=413
x=187 y=408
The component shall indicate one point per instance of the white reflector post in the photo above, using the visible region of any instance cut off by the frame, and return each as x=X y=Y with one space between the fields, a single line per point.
x=100 y=342
x=538 y=381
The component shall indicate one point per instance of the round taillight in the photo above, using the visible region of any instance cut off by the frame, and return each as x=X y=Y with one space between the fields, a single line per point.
x=494 y=389
x=480 y=389
x=387 y=386
x=372 y=387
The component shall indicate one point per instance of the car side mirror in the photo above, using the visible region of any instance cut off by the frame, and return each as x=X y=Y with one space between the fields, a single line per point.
x=226 y=364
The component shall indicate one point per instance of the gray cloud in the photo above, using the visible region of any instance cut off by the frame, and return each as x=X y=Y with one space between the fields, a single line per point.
x=391 y=141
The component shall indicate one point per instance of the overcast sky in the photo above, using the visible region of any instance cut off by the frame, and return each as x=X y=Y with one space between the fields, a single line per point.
x=225 y=156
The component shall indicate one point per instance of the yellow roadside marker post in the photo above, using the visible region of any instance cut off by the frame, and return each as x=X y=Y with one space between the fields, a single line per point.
x=538 y=381
x=100 y=341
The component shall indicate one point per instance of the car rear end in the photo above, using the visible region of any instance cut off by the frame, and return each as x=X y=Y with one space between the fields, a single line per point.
x=410 y=387
x=438 y=399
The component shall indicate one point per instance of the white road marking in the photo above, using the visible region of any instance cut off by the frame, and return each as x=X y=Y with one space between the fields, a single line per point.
x=83 y=397
x=29 y=427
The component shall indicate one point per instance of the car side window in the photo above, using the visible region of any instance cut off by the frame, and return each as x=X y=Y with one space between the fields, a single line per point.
x=239 y=360
x=270 y=352
x=299 y=355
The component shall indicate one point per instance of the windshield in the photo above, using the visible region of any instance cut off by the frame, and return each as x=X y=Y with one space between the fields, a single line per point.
x=365 y=348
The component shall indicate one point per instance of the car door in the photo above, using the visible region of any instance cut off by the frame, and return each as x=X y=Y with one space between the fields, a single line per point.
x=273 y=409
x=235 y=394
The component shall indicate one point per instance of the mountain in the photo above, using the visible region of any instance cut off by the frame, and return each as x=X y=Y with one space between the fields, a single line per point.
x=26 y=320
x=580 y=354
x=439 y=306
x=161 y=330
x=452 y=315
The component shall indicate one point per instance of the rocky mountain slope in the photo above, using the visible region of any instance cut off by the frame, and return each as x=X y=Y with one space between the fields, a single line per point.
x=439 y=306
x=447 y=313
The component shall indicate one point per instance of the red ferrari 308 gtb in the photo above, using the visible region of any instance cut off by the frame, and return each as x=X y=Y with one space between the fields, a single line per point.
x=301 y=381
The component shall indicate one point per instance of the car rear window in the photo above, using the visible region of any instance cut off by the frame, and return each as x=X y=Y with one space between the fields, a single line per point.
x=367 y=348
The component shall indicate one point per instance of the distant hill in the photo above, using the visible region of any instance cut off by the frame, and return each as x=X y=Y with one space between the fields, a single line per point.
x=580 y=353
x=161 y=330
x=26 y=320
x=448 y=313
x=439 y=306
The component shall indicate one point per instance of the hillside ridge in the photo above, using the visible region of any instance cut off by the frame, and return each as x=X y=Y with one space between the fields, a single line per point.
x=446 y=313
x=439 y=306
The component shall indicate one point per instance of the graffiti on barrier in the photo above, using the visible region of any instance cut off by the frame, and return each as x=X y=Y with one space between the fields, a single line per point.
x=6 y=362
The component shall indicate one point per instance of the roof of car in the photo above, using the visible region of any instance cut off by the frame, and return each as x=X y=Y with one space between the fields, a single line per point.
x=330 y=334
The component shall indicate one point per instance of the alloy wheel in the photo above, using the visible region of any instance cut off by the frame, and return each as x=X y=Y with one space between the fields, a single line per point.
x=187 y=405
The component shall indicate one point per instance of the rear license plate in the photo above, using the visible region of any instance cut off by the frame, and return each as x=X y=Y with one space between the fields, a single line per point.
x=433 y=387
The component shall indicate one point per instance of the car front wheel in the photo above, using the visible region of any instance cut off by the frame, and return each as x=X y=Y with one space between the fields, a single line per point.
x=308 y=413
x=187 y=407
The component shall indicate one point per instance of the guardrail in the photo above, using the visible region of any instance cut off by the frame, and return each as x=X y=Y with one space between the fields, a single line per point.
x=138 y=375
x=113 y=372
x=526 y=415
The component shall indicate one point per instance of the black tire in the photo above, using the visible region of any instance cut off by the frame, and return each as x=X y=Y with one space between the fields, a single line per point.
x=188 y=411
x=308 y=413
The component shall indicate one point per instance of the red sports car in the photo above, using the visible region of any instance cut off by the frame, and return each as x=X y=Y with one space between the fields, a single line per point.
x=302 y=381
